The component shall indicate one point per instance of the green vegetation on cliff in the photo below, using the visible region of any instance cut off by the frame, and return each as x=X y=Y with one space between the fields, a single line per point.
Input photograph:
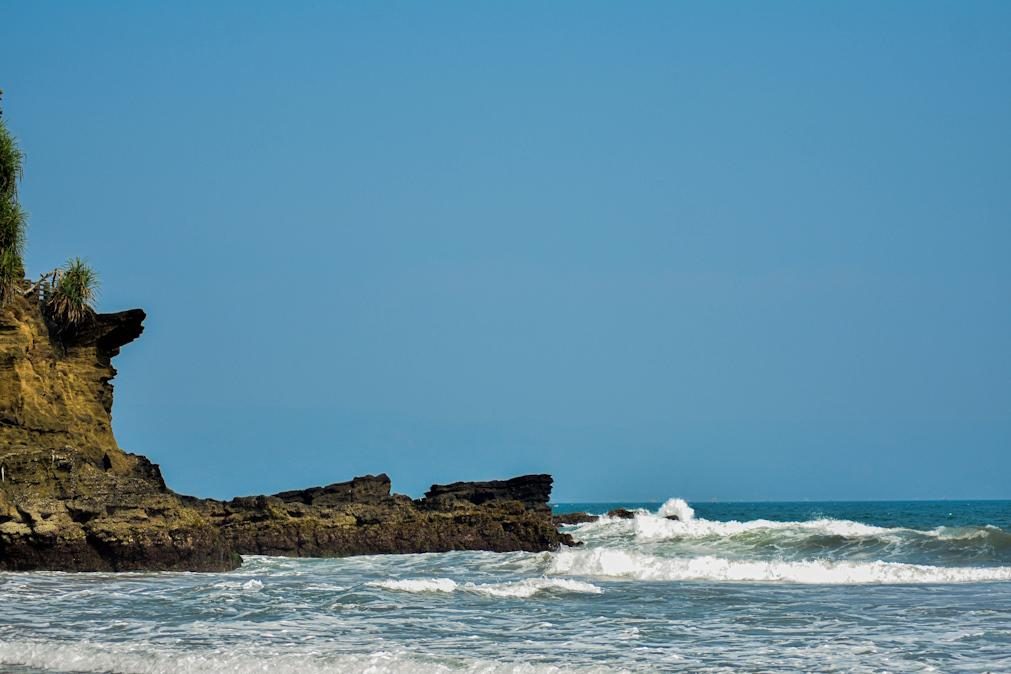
x=69 y=292
x=12 y=217
x=71 y=298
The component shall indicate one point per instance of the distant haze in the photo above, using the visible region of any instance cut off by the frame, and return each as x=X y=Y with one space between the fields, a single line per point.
x=712 y=250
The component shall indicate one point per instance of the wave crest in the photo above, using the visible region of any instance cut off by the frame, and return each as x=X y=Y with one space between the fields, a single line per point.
x=679 y=508
x=675 y=527
x=616 y=563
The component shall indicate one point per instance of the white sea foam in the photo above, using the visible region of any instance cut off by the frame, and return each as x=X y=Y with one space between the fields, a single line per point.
x=677 y=507
x=417 y=585
x=648 y=526
x=527 y=587
x=147 y=659
x=229 y=586
x=618 y=563
x=965 y=533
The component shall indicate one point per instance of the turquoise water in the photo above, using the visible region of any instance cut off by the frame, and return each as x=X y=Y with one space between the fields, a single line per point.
x=846 y=587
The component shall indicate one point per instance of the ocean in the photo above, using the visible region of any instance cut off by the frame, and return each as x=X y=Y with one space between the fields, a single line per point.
x=729 y=587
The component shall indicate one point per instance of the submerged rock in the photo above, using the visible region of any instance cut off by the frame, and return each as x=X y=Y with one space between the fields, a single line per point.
x=71 y=499
x=621 y=514
x=574 y=518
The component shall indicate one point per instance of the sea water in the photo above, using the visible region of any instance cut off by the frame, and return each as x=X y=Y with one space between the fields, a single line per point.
x=826 y=587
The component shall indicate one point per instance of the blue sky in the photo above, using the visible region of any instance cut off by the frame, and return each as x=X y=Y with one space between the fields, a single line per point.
x=713 y=250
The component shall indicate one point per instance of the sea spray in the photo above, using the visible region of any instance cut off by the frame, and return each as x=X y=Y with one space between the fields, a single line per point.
x=677 y=508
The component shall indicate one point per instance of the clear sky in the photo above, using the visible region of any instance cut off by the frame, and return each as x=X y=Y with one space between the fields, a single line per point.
x=715 y=250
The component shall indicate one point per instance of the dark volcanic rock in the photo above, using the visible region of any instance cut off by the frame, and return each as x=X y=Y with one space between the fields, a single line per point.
x=369 y=489
x=327 y=522
x=533 y=491
x=621 y=514
x=573 y=518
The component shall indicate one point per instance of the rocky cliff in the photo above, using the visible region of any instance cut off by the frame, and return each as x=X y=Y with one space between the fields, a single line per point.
x=71 y=499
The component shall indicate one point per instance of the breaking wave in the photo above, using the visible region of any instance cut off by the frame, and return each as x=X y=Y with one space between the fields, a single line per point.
x=626 y=564
x=674 y=528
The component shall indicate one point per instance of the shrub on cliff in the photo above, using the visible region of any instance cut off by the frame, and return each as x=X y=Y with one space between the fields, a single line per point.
x=12 y=244
x=69 y=296
x=11 y=159
x=12 y=216
x=72 y=298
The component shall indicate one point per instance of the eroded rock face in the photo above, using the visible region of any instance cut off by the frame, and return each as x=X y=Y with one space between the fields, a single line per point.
x=70 y=498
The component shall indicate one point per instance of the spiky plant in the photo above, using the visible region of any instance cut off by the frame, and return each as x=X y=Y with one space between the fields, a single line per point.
x=12 y=217
x=12 y=226
x=10 y=274
x=71 y=301
x=11 y=159
x=12 y=245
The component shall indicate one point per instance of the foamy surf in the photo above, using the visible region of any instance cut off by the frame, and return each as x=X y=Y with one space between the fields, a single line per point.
x=832 y=592
x=152 y=659
x=520 y=589
x=674 y=529
x=630 y=565
x=659 y=525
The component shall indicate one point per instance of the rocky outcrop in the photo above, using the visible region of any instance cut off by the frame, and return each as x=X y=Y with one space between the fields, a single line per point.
x=71 y=499
x=362 y=517
x=566 y=519
x=533 y=491
x=621 y=514
x=367 y=490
